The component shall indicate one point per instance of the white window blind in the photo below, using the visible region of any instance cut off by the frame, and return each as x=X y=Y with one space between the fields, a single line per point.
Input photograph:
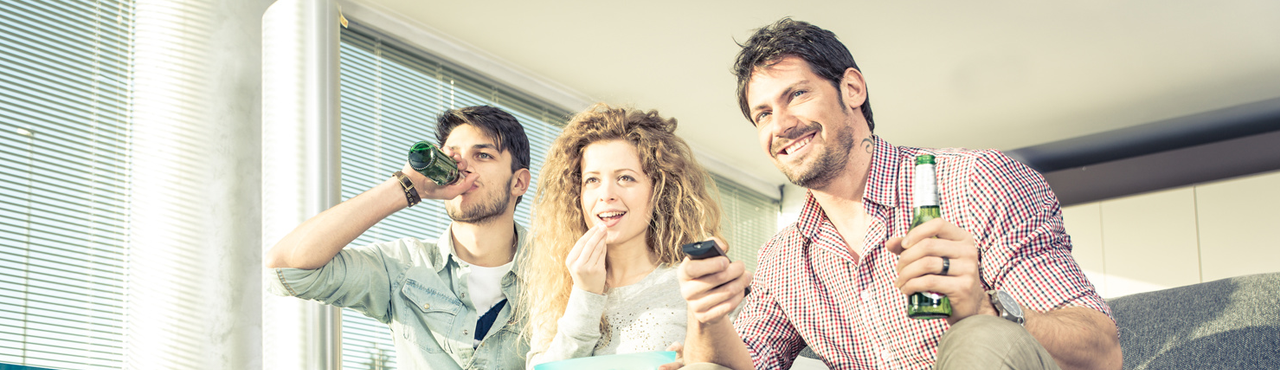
x=749 y=220
x=65 y=68
x=389 y=100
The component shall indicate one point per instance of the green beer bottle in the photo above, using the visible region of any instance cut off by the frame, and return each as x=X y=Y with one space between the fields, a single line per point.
x=926 y=305
x=428 y=160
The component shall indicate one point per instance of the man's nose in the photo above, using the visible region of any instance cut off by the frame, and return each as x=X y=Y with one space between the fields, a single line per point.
x=784 y=122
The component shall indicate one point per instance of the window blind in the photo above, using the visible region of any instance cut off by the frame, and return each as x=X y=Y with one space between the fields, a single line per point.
x=390 y=96
x=64 y=134
x=749 y=220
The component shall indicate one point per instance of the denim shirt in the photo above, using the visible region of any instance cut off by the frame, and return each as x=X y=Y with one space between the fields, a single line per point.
x=419 y=290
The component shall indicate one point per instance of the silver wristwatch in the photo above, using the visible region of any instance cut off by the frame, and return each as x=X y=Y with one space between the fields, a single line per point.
x=1006 y=306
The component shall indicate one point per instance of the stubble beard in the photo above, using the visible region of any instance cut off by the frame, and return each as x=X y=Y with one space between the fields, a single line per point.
x=829 y=164
x=484 y=212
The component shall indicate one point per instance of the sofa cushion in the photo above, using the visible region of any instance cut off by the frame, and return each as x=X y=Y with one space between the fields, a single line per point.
x=1232 y=323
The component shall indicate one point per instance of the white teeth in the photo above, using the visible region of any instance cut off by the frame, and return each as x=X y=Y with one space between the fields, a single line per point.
x=610 y=214
x=796 y=145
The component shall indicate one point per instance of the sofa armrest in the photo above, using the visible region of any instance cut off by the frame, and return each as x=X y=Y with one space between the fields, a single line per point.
x=1232 y=323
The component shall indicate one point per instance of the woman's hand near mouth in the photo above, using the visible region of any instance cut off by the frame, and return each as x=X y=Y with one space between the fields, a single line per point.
x=586 y=260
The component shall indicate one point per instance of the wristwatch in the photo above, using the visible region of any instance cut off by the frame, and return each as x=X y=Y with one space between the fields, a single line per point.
x=1006 y=306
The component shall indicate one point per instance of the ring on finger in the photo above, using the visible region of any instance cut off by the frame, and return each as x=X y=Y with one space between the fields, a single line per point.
x=946 y=266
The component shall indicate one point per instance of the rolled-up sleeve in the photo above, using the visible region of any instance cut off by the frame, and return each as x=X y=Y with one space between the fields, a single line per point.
x=1025 y=247
x=356 y=278
x=769 y=335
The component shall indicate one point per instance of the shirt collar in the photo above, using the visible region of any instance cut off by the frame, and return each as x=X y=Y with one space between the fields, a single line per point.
x=881 y=188
x=882 y=177
x=447 y=251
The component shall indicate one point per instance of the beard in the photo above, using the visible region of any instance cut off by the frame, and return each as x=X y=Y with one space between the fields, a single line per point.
x=489 y=207
x=827 y=165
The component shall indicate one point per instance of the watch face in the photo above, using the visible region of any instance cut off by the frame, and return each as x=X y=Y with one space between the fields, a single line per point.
x=1008 y=303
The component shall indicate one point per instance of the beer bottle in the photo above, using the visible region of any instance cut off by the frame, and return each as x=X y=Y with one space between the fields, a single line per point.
x=428 y=160
x=926 y=305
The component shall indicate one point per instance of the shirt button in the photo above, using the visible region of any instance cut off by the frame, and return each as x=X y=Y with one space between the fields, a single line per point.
x=426 y=306
x=866 y=296
x=885 y=355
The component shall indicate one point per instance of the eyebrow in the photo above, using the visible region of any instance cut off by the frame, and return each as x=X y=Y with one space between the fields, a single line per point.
x=785 y=92
x=477 y=146
x=617 y=171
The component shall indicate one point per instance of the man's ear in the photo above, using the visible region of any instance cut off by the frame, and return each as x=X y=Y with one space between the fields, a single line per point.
x=853 y=89
x=520 y=185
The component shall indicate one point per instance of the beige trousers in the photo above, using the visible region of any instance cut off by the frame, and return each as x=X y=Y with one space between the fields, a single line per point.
x=989 y=342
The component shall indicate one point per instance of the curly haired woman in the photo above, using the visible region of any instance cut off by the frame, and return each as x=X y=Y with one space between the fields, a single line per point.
x=618 y=196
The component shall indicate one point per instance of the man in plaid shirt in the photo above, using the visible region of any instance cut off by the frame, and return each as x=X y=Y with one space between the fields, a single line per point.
x=837 y=280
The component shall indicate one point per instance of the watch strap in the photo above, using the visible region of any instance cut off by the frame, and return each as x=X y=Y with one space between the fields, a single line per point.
x=410 y=193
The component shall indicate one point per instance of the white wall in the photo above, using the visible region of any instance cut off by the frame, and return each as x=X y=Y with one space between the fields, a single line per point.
x=1178 y=237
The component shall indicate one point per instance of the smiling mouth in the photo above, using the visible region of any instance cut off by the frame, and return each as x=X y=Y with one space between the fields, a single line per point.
x=796 y=145
x=610 y=218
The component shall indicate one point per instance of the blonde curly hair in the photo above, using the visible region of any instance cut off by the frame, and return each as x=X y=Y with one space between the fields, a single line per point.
x=684 y=210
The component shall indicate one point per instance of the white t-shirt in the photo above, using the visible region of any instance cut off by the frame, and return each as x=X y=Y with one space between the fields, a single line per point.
x=485 y=286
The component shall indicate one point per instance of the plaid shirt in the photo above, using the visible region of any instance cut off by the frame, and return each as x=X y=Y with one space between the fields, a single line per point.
x=810 y=290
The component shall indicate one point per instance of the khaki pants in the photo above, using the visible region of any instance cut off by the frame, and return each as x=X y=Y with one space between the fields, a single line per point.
x=989 y=342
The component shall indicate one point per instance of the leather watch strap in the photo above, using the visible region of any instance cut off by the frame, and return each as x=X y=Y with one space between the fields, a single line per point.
x=410 y=193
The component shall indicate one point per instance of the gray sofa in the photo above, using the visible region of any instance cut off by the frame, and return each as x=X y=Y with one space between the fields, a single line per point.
x=1232 y=323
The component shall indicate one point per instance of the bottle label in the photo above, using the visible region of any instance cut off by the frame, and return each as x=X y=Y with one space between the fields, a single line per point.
x=926 y=186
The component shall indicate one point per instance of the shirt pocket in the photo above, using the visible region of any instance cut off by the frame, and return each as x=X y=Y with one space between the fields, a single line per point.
x=433 y=316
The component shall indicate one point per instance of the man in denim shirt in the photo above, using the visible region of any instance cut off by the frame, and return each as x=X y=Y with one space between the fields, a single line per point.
x=446 y=302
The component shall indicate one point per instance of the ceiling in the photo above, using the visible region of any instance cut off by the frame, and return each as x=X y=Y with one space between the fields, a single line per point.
x=990 y=74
